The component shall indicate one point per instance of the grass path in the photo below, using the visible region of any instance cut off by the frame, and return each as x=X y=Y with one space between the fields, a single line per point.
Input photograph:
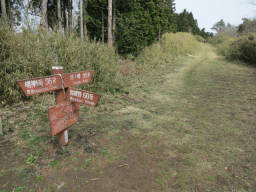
x=189 y=126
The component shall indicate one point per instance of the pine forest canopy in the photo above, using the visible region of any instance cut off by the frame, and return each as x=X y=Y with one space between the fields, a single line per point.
x=135 y=23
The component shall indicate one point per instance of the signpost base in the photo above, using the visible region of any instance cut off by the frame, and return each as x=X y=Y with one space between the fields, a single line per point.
x=65 y=112
x=63 y=138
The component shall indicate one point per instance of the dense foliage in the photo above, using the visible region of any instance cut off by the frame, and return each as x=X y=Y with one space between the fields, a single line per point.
x=30 y=54
x=139 y=23
x=236 y=43
x=244 y=49
x=248 y=26
x=136 y=24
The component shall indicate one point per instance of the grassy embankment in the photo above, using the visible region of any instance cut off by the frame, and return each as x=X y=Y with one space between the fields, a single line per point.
x=187 y=124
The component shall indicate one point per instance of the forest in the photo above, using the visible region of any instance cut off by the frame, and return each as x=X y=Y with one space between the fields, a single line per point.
x=133 y=24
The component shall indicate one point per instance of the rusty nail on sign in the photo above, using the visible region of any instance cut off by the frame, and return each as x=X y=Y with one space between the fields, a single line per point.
x=66 y=111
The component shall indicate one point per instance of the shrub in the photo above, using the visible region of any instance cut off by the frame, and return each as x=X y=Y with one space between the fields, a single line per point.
x=243 y=49
x=31 y=54
x=219 y=39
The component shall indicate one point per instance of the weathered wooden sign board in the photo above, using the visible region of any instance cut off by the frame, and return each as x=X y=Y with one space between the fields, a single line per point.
x=66 y=111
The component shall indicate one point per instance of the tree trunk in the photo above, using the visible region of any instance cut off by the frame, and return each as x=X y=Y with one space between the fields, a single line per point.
x=85 y=21
x=114 y=21
x=44 y=22
x=59 y=15
x=110 y=38
x=70 y=7
x=81 y=20
x=102 y=27
x=3 y=10
x=66 y=21
x=85 y=31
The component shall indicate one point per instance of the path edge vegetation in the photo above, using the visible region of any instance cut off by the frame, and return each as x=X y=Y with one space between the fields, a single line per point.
x=31 y=54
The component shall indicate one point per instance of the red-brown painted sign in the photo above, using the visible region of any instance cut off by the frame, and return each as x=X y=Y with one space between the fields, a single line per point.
x=62 y=116
x=77 y=78
x=66 y=111
x=52 y=83
x=40 y=85
x=84 y=97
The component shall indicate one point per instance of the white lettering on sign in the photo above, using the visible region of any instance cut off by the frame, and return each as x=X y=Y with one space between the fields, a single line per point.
x=50 y=80
x=76 y=93
x=88 y=96
x=78 y=76
x=34 y=83
x=76 y=100
x=80 y=101
x=36 y=91
x=86 y=75
x=71 y=77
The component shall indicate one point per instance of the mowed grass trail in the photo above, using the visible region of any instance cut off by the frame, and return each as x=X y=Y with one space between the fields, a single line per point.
x=187 y=126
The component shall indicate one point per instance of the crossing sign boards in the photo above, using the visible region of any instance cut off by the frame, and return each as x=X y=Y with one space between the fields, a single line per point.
x=83 y=97
x=40 y=85
x=66 y=111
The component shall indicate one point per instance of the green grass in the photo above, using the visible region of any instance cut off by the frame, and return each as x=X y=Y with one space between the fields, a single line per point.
x=188 y=125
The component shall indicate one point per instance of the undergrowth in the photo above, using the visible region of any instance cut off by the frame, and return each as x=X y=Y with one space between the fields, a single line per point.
x=171 y=46
x=241 y=48
x=32 y=54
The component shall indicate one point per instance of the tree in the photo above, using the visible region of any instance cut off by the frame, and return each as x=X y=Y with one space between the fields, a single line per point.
x=248 y=26
x=70 y=15
x=110 y=38
x=3 y=10
x=43 y=21
x=219 y=26
x=114 y=21
x=81 y=20
x=85 y=20
x=10 y=11
x=59 y=14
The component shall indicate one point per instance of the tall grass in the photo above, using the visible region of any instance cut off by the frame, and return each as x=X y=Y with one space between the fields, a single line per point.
x=32 y=54
x=171 y=46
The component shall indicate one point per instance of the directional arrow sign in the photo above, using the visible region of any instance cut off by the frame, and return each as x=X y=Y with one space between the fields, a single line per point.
x=84 y=97
x=77 y=78
x=52 y=83
x=40 y=85
x=62 y=116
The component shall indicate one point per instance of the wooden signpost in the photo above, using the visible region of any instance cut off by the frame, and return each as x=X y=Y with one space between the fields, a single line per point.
x=67 y=99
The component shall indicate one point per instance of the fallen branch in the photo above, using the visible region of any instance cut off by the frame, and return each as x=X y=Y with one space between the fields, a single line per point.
x=123 y=165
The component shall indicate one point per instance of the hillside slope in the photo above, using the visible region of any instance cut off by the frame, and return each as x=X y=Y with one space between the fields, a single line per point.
x=188 y=126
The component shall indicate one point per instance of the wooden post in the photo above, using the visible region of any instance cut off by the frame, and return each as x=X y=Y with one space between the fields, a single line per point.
x=81 y=20
x=60 y=98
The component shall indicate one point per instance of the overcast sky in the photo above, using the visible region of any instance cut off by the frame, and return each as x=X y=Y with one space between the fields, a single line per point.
x=208 y=12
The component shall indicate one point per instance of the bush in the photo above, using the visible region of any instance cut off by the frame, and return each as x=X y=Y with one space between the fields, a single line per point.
x=172 y=46
x=31 y=54
x=243 y=49
x=219 y=39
